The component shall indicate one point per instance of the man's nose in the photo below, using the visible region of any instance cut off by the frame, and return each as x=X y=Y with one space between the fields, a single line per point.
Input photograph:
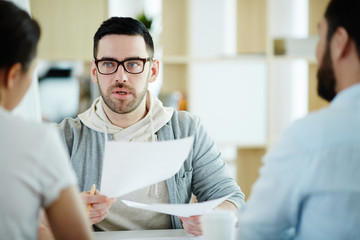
x=121 y=74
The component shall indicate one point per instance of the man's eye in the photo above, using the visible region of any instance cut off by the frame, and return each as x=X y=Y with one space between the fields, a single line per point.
x=108 y=64
x=133 y=64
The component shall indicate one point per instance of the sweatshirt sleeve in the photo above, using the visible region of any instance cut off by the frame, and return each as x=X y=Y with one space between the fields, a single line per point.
x=211 y=176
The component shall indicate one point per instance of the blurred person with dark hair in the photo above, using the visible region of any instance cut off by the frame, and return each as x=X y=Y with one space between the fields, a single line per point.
x=34 y=168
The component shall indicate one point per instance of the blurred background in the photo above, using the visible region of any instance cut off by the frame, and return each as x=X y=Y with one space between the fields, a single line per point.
x=246 y=67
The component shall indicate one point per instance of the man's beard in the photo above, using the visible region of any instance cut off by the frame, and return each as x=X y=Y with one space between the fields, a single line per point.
x=122 y=106
x=326 y=78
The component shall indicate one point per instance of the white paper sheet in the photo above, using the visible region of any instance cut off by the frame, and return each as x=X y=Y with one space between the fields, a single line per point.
x=181 y=210
x=169 y=238
x=156 y=238
x=129 y=166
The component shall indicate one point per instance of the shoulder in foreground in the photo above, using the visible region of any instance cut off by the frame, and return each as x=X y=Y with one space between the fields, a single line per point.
x=328 y=126
x=325 y=118
x=19 y=130
x=13 y=123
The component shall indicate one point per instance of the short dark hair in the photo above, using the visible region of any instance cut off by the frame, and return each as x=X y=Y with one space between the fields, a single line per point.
x=19 y=36
x=123 y=26
x=346 y=14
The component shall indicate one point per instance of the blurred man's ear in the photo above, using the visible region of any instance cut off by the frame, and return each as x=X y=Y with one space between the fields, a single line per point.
x=340 y=43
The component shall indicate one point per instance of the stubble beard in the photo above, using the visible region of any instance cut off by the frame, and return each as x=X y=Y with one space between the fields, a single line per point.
x=124 y=106
x=326 y=78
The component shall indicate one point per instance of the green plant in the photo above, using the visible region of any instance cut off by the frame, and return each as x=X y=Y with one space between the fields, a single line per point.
x=145 y=20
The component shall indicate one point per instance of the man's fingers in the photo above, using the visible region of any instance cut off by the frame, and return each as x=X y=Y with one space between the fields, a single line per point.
x=104 y=204
x=192 y=224
x=99 y=205
x=98 y=211
x=111 y=201
x=97 y=219
x=96 y=198
x=90 y=199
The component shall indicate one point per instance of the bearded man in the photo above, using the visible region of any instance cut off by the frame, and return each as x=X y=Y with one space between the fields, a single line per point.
x=309 y=185
x=123 y=67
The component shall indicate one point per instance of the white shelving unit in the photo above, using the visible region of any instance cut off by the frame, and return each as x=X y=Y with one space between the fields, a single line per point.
x=232 y=90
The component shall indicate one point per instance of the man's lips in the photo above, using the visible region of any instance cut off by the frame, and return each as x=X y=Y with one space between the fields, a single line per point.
x=120 y=91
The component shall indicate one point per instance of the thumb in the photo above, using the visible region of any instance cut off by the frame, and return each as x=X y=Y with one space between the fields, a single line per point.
x=112 y=201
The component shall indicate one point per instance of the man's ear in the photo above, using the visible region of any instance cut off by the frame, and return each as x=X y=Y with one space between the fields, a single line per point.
x=13 y=75
x=154 y=70
x=93 y=72
x=340 y=43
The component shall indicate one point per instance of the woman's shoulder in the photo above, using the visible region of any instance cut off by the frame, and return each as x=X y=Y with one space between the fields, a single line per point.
x=21 y=128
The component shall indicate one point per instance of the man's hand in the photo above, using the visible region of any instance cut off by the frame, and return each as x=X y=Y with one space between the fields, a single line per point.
x=192 y=225
x=100 y=205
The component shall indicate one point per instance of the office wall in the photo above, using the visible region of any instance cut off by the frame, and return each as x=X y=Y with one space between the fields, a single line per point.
x=68 y=27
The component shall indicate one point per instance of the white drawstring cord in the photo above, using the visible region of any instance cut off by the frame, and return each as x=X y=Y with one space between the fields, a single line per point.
x=157 y=195
x=106 y=134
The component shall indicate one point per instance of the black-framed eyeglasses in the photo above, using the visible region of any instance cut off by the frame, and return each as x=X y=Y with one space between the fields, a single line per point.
x=108 y=66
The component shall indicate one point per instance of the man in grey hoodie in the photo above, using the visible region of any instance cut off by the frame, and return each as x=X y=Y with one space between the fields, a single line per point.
x=123 y=66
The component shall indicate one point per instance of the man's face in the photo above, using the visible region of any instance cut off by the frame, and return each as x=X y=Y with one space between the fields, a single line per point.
x=121 y=91
x=325 y=74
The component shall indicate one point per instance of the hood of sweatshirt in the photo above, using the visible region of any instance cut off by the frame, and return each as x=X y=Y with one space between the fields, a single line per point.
x=143 y=130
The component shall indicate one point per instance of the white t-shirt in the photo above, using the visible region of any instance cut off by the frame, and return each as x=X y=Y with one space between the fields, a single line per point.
x=34 y=169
